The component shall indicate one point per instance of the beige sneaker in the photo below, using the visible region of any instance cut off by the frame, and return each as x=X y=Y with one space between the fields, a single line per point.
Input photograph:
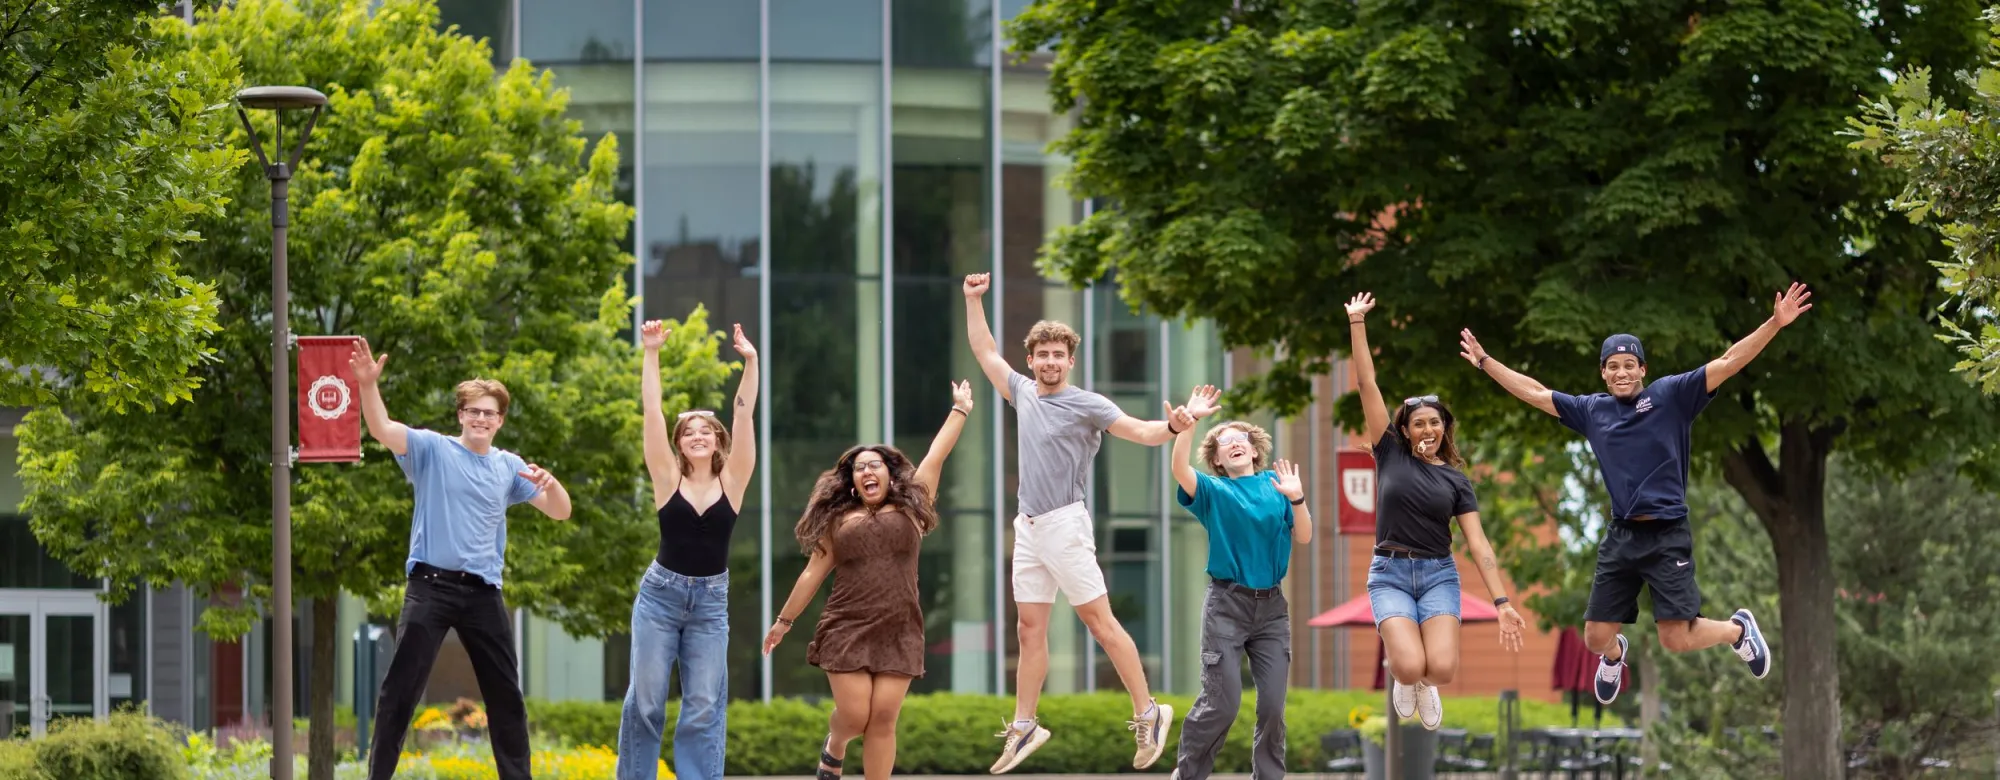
x=1430 y=706
x=1151 y=734
x=1019 y=744
x=1405 y=699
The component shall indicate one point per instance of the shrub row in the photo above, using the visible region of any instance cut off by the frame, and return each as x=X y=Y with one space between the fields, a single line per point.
x=128 y=746
x=947 y=733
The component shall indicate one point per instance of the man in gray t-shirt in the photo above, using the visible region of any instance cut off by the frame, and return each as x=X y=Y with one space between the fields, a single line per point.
x=1055 y=546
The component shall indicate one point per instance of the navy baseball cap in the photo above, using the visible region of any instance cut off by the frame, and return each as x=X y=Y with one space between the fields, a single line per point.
x=1620 y=344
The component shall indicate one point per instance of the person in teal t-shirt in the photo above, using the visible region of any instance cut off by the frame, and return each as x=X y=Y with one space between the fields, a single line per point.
x=1253 y=514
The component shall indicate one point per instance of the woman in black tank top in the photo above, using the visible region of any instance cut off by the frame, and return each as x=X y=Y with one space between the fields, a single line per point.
x=1421 y=487
x=680 y=619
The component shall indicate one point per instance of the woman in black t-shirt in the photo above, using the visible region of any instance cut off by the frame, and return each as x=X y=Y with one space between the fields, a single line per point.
x=1420 y=487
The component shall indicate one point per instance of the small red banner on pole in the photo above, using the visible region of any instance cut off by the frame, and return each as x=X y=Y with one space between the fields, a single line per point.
x=329 y=401
x=1357 y=492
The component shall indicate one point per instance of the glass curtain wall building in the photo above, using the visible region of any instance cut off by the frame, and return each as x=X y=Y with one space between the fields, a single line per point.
x=825 y=172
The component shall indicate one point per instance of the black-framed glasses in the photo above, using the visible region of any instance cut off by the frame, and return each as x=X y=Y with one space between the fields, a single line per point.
x=1421 y=399
x=477 y=413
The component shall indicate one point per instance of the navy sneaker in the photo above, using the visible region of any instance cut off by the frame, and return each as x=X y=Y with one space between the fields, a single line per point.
x=1610 y=674
x=1751 y=648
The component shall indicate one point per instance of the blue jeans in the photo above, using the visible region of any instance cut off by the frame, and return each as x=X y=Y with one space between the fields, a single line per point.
x=1414 y=588
x=682 y=621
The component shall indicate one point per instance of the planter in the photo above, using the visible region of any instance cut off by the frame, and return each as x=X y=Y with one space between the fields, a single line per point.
x=1419 y=755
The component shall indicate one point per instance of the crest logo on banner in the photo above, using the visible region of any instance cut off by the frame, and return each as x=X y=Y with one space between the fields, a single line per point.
x=329 y=415
x=1357 y=492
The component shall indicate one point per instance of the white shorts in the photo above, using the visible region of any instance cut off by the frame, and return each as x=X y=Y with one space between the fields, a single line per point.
x=1056 y=551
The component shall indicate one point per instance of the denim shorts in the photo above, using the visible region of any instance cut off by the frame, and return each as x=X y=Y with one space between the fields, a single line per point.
x=1414 y=588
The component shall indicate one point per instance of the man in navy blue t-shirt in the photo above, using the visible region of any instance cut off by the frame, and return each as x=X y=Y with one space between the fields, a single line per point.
x=1639 y=433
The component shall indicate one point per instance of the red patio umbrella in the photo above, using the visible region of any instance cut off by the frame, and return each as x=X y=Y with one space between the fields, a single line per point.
x=1357 y=612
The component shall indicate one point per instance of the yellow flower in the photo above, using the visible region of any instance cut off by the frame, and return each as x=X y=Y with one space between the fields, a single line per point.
x=1360 y=714
x=433 y=719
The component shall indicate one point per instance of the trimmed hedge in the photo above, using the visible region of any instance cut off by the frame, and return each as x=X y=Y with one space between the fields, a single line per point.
x=949 y=734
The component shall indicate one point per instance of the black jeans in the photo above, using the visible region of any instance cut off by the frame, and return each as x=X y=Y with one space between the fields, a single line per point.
x=437 y=601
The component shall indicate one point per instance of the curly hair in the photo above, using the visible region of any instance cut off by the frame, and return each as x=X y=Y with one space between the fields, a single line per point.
x=721 y=456
x=833 y=496
x=1448 y=449
x=1052 y=331
x=1260 y=446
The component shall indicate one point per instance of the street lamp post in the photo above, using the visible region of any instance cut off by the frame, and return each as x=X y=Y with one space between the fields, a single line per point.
x=280 y=173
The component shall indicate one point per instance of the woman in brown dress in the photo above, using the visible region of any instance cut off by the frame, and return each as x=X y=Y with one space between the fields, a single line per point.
x=866 y=521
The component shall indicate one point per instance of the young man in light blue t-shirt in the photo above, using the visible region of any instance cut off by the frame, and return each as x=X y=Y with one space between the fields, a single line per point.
x=1254 y=516
x=458 y=539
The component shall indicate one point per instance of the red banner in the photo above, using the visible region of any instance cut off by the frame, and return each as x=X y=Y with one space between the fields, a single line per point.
x=329 y=401
x=1357 y=492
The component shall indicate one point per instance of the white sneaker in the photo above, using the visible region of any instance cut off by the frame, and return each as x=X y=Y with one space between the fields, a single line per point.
x=1020 y=744
x=1405 y=699
x=1151 y=734
x=1430 y=706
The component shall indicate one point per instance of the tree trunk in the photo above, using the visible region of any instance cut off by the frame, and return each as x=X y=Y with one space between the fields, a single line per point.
x=1649 y=710
x=319 y=747
x=1790 y=499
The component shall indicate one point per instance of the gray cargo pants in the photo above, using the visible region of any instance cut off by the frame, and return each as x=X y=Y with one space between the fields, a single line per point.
x=1237 y=621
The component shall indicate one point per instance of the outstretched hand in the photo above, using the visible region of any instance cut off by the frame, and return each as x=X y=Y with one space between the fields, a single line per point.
x=1285 y=475
x=1468 y=348
x=367 y=369
x=1178 y=419
x=1511 y=624
x=1204 y=401
x=742 y=344
x=774 y=636
x=541 y=477
x=653 y=334
x=961 y=396
x=1791 y=303
x=1360 y=304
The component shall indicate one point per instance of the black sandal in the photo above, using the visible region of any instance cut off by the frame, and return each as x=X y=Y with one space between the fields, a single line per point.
x=827 y=762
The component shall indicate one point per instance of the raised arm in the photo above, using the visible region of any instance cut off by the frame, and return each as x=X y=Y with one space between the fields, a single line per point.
x=1201 y=403
x=817 y=568
x=1374 y=412
x=981 y=336
x=368 y=373
x=1285 y=475
x=660 y=461
x=743 y=426
x=1790 y=304
x=1511 y=622
x=1515 y=382
x=929 y=471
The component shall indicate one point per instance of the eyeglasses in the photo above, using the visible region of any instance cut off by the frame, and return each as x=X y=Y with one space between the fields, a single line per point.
x=477 y=413
x=1232 y=437
x=1421 y=399
x=694 y=412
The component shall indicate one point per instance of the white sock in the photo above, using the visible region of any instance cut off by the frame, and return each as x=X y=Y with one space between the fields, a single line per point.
x=1024 y=726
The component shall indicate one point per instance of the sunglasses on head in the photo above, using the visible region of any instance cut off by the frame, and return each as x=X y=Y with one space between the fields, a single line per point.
x=694 y=412
x=1421 y=399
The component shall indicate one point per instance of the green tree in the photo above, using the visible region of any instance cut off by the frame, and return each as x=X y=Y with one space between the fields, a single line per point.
x=450 y=217
x=1952 y=156
x=1545 y=174
x=109 y=156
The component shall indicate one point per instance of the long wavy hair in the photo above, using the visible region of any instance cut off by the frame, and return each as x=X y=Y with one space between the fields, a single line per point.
x=1448 y=449
x=834 y=495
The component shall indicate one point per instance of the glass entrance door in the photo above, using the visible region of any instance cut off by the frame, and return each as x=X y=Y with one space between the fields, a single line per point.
x=52 y=659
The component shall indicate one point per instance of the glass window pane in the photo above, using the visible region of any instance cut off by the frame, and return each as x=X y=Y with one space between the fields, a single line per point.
x=492 y=20
x=15 y=665
x=826 y=30
x=941 y=33
x=826 y=299
x=941 y=233
x=128 y=651
x=71 y=678
x=701 y=30
x=557 y=31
